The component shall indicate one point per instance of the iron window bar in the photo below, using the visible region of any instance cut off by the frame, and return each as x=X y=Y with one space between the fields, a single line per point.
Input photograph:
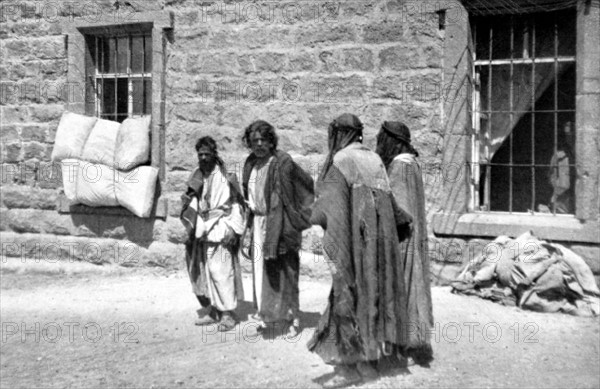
x=480 y=112
x=102 y=74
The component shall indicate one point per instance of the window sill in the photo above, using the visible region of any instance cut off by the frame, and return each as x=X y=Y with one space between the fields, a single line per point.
x=159 y=211
x=549 y=227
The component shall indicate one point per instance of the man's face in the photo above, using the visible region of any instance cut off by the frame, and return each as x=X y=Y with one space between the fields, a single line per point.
x=261 y=146
x=206 y=159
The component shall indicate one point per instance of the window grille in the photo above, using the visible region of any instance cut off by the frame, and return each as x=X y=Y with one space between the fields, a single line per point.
x=123 y=75
x=523 y=102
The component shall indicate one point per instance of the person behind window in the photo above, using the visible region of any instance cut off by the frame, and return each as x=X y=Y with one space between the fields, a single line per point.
x=212 y=213
x=561 y=174
x=279 y=194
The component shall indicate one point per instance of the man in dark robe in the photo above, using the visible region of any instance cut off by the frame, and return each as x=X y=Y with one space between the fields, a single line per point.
x=366 y=317
x=400 y=159
x=279 y=194
x=212 y=213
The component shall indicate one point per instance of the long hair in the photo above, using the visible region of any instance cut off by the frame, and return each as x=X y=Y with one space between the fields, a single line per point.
x=263 y=128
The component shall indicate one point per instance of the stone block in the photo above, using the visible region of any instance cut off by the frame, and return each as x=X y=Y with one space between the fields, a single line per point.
x=22 y=221
x=213 y=63
x=433 y=55
x=330 y=61
x=358 y=59
x=422 y=86
x=198 y=112
x=17 y=196
x=252 y=37
x=365 y=8
x=38 y=48
x=14 y=72
x=384 y=31
x=301 y=62
x=269 y=62
x=3 y=220
x=53 y=69
x=177 y=181
x=414 y=115
x=401 y=58
x=175 y=231
x=14 y=114
x=286 y=117
x=34 y=150
x=342 y=89
x=372 y=116
x=11 y=152
x=423 y=28
x=239 y=115
x=314 y=142
x=321 y=115
x=46 y=113
x=32 y=28
x=325 y=34
x=9 y=133
x=174 y=203
x=34 y=133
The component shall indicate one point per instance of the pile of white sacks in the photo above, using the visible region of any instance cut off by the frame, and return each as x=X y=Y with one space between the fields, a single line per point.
x=105 y=163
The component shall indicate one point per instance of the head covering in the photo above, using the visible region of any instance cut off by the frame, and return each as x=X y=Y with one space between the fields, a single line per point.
x=397 y=130
x=343 y=130
x=392 y=139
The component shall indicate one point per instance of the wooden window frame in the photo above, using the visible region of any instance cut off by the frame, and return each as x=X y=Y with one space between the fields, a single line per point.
x=80 y=65
x=456 y=218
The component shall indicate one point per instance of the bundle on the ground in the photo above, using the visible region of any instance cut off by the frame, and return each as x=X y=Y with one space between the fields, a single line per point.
x=532 y=274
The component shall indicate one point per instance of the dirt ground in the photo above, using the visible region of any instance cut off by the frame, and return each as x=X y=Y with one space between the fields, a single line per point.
x=74 y=326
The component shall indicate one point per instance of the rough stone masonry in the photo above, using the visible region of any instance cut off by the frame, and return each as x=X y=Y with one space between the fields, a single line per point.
x=296 y=64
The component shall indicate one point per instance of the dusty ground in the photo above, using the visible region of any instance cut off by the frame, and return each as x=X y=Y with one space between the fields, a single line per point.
x=155 y=344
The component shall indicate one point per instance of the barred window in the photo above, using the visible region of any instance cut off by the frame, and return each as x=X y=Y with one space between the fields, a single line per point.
x=122 y=75
x=524 y=113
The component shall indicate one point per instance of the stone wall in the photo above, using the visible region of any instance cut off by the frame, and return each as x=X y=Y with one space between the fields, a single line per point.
x=295 y=64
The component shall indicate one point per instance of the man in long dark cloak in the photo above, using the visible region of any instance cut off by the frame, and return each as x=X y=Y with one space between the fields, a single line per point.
x=366 y=317
x=400 y=158
x=279 y=194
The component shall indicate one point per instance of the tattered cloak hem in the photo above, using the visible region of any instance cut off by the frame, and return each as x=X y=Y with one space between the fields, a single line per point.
x=532 y=274
x=407 y=187
x=367 y=303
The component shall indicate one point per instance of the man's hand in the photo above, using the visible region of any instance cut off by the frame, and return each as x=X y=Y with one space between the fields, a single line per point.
x=231 y=238
x=185 y=201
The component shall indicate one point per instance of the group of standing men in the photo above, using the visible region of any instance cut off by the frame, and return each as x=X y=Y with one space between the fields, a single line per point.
x=371 y=207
